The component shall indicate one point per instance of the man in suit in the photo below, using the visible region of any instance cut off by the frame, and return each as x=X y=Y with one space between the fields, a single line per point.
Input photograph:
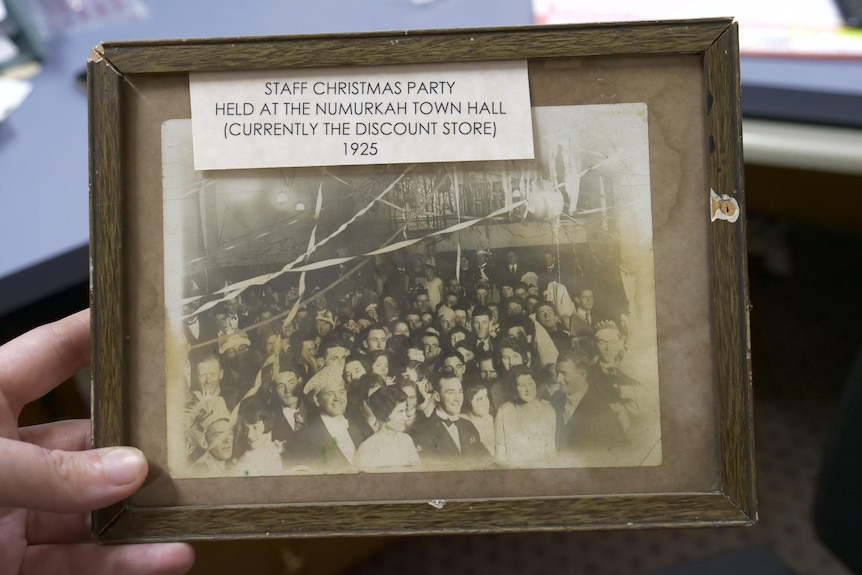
x=445 y=436
x=623 y=392
x=330 y=439
x=585 y=301
x=231 y=311
x=288 y=412
x=585 y=419
x=513 y=271
x=481 y=324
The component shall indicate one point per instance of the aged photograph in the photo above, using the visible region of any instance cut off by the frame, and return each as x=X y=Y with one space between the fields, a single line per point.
x=415 y=317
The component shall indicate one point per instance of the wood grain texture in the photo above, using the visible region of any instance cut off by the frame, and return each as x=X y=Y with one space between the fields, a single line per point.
x=427 y=46
x=714 y=40
x=106 y=264
x=730 y=275
x=414 y=518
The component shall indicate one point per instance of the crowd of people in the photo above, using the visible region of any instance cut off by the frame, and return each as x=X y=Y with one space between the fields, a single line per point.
x=389 y=367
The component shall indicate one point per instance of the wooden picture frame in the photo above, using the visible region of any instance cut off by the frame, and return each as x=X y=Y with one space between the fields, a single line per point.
x=685 y=73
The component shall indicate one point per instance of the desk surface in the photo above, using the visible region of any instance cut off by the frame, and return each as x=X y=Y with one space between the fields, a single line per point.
x=43 y=146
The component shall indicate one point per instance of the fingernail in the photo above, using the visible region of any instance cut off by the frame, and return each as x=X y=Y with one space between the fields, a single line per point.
x=123 y=465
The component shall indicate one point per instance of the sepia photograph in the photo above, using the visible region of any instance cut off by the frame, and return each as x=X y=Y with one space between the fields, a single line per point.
x=415 y=317
x=555 y=339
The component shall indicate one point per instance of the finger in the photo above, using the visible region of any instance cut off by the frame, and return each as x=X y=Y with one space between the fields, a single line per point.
x=46 y=528
x=68 y=435
x=33 y=477
x=94 y=559
x=38 y=361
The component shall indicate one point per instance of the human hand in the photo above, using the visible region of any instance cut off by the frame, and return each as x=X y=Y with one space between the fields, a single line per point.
x=50 y=480
x=411 y=374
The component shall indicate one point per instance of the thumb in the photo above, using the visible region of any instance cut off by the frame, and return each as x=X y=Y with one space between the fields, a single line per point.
x=33 y=477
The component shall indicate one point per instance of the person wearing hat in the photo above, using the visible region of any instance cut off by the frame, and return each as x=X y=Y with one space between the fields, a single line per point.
x=324 y=322
x=372 y=313
x=330 y=439
x=507 y=288
x=210 y=429
x=239 y=367
x=446 y=319
x=234 y=344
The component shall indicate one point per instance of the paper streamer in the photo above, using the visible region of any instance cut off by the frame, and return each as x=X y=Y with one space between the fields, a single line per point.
x=237 y=288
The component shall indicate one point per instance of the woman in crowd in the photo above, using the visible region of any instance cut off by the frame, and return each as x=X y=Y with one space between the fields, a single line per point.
x=414 y=416
x=390 y=446
x=478 y=410
x=258 y=454
x=510 y=353
x=525 y=428
x=378 y=362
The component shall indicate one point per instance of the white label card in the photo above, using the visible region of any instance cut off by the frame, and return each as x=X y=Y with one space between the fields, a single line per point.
x=362 y=115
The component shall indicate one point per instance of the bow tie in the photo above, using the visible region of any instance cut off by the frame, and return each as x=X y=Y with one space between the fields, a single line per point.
x=448 y=422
